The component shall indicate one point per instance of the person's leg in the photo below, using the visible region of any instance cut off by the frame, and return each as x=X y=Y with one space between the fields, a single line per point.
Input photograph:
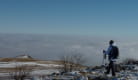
x=113 y=68
x=108 y=68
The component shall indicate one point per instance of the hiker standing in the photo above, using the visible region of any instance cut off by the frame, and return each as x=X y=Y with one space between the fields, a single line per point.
x=112 y=53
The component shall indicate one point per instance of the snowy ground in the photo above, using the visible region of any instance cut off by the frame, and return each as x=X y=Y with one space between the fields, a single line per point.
x=45 y=74
x=13 y=64
x=47 y=68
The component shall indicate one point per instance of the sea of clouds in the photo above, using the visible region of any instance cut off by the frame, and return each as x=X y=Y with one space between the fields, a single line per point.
x=52 y=47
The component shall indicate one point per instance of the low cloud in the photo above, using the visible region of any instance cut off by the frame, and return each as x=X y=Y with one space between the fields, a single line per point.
x=51 y=47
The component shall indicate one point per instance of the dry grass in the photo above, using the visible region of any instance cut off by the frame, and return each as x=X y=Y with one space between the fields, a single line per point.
x=17 y=59
x=49 y=62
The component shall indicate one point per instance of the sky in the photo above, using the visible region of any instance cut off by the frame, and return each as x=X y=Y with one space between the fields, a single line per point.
x=47 y=29
x=117 y=18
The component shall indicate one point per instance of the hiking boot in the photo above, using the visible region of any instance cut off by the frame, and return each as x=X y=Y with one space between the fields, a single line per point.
x=106 y=73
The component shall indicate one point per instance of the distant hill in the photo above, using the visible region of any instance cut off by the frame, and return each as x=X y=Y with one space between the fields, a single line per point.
x=20 y=58
x=24 y=56
x=16 y=59
x=28 y=58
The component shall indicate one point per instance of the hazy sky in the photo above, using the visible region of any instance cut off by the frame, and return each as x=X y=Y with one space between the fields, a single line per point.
x=70 y=17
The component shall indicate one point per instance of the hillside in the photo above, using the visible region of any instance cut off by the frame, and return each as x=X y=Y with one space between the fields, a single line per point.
x=16 y=59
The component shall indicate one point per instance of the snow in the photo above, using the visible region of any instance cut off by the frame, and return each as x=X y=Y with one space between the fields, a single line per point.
x=13 y=64
x=4 y=74
x=44 y=72
x=124 y=75
x=49 y=65
x=23 y=57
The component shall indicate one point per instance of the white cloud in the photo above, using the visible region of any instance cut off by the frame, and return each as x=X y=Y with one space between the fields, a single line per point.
x=51 y=47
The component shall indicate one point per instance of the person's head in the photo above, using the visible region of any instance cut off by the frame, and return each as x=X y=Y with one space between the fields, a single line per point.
x=111 y=42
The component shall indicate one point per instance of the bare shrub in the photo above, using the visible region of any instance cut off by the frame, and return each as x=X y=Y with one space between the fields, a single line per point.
x=72 y=62
x=20 y=72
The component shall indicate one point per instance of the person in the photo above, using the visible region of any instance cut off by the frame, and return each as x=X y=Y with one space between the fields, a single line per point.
x=110 y=51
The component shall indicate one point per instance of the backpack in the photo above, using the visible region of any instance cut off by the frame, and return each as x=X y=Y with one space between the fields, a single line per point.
x=114 y=53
